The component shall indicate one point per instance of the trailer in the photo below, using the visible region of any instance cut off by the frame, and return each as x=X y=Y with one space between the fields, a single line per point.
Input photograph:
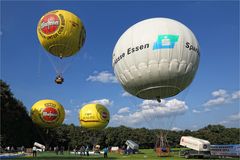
x=198 y=148
x=132 y=145
x=222 y=151
x=40 y=147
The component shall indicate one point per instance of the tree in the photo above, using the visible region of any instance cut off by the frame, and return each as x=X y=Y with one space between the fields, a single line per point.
x=17 y=128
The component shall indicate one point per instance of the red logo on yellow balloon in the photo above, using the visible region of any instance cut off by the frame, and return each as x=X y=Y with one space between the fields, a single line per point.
x=50 y=23
x=104 y=115
x=49 y=114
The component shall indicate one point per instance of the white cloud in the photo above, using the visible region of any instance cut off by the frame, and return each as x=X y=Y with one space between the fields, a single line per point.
x=235 y=118
x=73 y=102
x=224 y=122
x=126 y=94
x=217 y=101
x=194 y=126
x=196 y=111
x=67 y=112
x=236 y=95
x=201 y=111
x=207 y=110
x=65 y=120
x=123 y=110
x=105 y=102
x=221 y=97
x=104 y=77
x=67 y=115
x=219 y=93
x=87 y=56
x=151 y=110
x=176 y=129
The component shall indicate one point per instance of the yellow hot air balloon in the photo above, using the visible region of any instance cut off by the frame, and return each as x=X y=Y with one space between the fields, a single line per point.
x=47 y=113
x=61 y=33
x=94 y=116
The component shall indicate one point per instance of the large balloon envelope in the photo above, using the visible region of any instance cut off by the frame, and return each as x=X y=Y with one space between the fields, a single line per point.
x=94 y=116
x=156 y=58
x=61 y=33
x=47 y=113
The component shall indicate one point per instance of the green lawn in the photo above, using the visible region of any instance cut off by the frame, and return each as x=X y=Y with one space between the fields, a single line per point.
x=146 y=154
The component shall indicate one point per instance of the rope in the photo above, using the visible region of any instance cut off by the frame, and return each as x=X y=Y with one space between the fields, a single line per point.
x=39 y=62
x=52 y=63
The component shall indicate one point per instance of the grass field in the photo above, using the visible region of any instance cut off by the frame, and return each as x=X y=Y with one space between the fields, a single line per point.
x=146 y=154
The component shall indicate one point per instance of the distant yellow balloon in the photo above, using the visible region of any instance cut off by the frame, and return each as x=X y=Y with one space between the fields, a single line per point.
x=61 y=33
x=94 y=116
x=47 y=113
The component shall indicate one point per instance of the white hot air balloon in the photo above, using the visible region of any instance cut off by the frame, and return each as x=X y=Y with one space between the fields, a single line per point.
x=156 y=58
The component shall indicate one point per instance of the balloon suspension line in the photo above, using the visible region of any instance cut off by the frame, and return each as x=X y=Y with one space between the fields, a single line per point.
x=39 y=63
x=68 y=65
x=171 y=123
x=143 y=115
x=53 y=64
x=61 y=55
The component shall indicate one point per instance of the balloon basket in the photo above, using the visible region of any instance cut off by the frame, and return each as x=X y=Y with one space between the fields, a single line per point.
x=162 y=148
x=163 y=152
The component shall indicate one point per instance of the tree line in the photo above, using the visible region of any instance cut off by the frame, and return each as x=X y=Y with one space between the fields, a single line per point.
x=17 y=129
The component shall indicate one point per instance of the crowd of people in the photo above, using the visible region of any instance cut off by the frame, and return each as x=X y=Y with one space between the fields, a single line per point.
x=83 y=150
x=12 y=149
x=78 y=150
x=59 y=150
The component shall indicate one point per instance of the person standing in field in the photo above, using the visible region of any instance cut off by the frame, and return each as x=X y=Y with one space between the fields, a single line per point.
x=61 y=150
x=105 y=152
x=87 y=150
x=56 y=150
x=34 y=150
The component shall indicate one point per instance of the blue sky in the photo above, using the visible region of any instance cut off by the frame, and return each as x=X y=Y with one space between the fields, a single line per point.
x=212 y=98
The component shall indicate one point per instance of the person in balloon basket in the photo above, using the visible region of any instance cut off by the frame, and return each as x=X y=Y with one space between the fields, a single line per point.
x=105 y=152
x=34 y=150
x=59 y=79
